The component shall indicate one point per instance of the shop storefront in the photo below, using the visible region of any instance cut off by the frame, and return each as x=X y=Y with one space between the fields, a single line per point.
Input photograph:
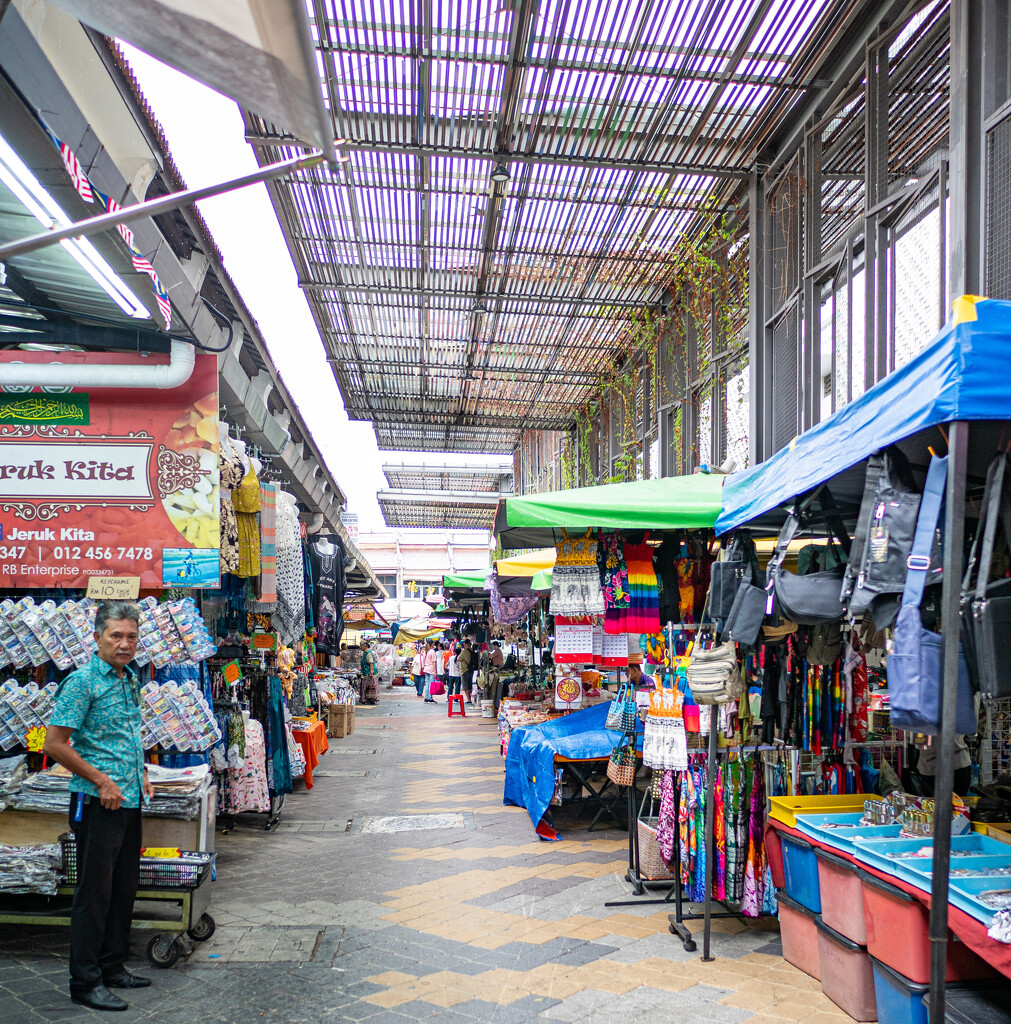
x=805 y=718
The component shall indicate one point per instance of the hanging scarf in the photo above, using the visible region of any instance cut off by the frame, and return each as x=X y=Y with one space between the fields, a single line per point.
x=666 y=833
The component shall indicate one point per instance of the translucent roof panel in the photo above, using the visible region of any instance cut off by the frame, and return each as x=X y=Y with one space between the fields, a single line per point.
x=458 y=310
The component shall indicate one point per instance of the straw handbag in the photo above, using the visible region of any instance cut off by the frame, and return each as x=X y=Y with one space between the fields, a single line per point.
x=621 y=766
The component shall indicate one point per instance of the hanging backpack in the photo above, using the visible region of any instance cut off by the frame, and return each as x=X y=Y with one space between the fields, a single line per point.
x=914 y=664
x=986 y=604
x=876 y=571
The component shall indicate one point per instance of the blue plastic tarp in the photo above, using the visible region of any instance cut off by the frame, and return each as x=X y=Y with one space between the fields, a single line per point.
x=963 y=374
x=530 y=759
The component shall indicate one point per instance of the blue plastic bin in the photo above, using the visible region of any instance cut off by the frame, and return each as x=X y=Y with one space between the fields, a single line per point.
x=800 y=870
x=899 y=1000
x=181 y=759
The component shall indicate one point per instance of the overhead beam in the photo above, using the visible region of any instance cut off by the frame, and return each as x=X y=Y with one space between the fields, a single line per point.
x=414 y=496
x=552 y=159
x=152 y=208
x=389 y=291
x=29 y=331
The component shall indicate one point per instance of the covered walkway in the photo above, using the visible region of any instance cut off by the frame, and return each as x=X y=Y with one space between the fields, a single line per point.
x=461 y=917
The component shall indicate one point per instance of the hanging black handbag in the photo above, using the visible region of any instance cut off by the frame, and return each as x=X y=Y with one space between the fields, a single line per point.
x=986 y=607
x=744 y=623
x=876 y=572
x=729 y=574
x=812 y=599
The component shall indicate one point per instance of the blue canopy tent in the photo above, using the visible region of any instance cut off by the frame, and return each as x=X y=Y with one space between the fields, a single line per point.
x=963 y=374
x=960 y=385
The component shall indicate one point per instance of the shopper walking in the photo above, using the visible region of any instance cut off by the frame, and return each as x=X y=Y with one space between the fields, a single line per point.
x=429 y=663
x=417 y=672
x=98 y=708
x=453 y=671
x=465 y=666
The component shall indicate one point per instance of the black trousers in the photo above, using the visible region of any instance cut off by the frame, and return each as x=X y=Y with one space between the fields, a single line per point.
x=108 y=869
x=962 y=782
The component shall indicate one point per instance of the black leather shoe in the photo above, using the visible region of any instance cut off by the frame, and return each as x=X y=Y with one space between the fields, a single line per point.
x=124 y=979
x=99 y=998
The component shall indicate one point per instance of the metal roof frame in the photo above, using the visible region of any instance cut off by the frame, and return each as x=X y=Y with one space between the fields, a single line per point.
x=458 y=310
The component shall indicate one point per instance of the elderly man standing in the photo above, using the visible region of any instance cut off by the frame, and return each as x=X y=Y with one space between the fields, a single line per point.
x=98 y=708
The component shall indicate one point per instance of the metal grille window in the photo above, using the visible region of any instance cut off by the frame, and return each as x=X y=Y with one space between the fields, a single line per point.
x=705 y=437
x=737 y=417
x=917 y=264
x=998 y=210
x=785 y=378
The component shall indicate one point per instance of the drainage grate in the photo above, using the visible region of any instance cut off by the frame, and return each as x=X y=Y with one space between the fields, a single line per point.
x=338 y=773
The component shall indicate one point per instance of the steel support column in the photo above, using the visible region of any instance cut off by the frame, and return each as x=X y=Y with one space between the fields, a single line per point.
x=811 y=375
x=875 y=189
x=954 y=531
x=759 y=305
x=966 y=144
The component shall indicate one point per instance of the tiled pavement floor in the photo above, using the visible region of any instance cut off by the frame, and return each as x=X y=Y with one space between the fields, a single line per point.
x=332 y=917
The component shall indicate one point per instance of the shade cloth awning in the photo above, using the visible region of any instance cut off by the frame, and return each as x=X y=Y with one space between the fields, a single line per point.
x=961 y=375
x=672 y=503
x=528 y=564
x=542 y=580
x=471 y=579
x=418 y=628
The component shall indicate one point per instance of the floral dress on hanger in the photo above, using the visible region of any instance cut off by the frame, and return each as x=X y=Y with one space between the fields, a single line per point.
x=575 y=584
x=755 y=868
x=230 y=470
x=246 y=502
x=613 y=580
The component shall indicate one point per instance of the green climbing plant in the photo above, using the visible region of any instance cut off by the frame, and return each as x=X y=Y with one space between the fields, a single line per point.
x=706 y=278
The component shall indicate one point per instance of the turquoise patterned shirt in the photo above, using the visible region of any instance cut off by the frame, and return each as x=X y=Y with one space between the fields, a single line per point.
x=104 y=712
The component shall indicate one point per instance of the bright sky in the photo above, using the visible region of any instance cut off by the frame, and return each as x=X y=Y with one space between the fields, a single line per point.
x=205 y=134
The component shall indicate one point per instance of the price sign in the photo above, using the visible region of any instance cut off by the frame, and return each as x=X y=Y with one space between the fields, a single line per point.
x=35 y=738
x=161 y=852
x=113 y=588
x=232 y=672
x=264 y=641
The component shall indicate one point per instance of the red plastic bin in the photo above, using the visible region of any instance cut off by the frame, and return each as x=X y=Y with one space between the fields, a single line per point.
x=799 y=933
x=847 y=974
x=898 y=935
x=842 y=902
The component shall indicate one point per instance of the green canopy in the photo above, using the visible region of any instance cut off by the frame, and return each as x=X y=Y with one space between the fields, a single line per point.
x=542 y=580
x=471 y=579
x=673 y=503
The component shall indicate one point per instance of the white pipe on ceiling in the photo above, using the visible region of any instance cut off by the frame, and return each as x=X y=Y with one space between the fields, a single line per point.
x=160 y=376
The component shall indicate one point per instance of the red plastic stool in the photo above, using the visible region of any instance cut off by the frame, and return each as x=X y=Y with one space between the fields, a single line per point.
x=449 y=706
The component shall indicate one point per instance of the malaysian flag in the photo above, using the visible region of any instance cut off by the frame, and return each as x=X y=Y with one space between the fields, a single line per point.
x=161 y=297
x=140 y=262
x=113 y=207
x=76 y=172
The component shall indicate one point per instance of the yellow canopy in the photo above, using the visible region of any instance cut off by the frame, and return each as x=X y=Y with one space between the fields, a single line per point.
x=526 y=565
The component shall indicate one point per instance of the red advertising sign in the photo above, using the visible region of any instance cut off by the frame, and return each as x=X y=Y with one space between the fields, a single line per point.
x=110 y=481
